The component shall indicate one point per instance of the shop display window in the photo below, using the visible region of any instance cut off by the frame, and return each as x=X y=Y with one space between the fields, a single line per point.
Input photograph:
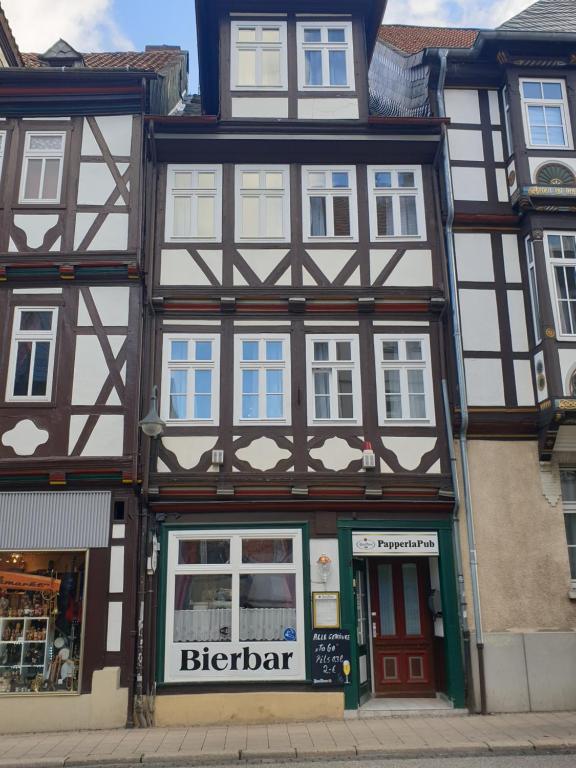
x=41 y=598
x=238 y=595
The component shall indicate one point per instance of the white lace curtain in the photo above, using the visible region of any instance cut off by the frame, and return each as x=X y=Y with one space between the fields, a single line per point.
x=214 y=624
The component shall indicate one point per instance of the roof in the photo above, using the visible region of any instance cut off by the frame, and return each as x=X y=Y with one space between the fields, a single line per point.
x=8 y=43
x=411 y=39
x=544 y=16
x=154 y=60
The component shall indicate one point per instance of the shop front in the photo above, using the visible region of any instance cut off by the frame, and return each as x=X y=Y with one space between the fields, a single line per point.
x=399 y=603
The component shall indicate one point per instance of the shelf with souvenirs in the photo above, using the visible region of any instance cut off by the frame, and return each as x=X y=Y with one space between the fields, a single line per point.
x=40 y=621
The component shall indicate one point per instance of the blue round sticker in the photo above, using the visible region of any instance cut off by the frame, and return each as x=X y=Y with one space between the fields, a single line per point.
x=289 y=633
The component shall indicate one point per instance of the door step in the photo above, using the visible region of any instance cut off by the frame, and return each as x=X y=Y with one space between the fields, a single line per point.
x=438 y=707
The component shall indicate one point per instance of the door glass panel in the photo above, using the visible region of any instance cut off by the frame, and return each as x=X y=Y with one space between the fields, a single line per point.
x=361 y=618
x=411 y=599
x=386 y=596
x=202 y=608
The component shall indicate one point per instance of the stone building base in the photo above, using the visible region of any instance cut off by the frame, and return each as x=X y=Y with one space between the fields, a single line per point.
x=105 y=707
x=243 y=708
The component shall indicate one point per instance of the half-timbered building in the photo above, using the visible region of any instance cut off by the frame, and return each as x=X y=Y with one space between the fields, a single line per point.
x=510 y=182
x=300 y=497
x=71 y=139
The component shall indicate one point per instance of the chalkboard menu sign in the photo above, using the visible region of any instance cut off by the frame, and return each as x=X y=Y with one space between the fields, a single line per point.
x=330 y=657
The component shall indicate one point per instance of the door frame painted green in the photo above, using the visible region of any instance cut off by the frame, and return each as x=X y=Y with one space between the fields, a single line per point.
x=452 y=638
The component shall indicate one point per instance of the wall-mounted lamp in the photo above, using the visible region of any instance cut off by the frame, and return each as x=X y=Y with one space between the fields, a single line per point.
x=152 y=425
x=324 y=564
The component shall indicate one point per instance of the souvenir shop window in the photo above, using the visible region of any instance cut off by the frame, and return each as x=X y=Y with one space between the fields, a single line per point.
x=237 y=594
x=41 y=597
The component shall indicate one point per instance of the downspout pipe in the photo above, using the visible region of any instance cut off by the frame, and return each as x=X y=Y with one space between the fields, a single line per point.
x=461 y=381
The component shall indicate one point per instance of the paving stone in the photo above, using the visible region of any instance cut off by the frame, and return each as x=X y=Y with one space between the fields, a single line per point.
x=190 y=758
x=548 y=743
x=268 y=754
x=36 y=762
x=332 y=752
x=512 y=746
x=96 y=760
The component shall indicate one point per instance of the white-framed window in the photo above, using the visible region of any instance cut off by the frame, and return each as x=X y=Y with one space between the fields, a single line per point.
x=42 y=167
x=262 y=203
x=533 y=285
x=32 y=354
x=568 y=481
x=190 y=378
x=396 y=203
x=330 y=207
x=546 y=117
x=258 y=56
x=262 y=386
x=561 y=251
x=403 y=379
x=194 y=203
x=333 y=379
x=235 y=605
x=325 y=56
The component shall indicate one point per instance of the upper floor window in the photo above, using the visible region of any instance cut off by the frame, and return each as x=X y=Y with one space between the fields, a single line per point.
x=32 y=354
x=404 y=379
x=396 y=203
x=533 y=285
x=262 y=387
x=259 y=56
x=568 y=480
x=194 y=203
x=190 y=378
x=42 y=167
x=546 y=113
x=325 y=56
x=333 y=379
x=561 y=250
x=262 y=203
x=329 y=200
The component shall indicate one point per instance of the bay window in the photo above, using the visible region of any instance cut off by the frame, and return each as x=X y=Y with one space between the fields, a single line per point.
x=333 y=379
x=262 y=386
x=234 y=607
x=190 y=378
x=32 y=354
x=404 y=379
x=545 y=108
x=330 y=204
x=561 y=252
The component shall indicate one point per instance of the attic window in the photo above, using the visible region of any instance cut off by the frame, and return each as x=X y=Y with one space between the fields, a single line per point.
x=61 y=54
x=555 y=175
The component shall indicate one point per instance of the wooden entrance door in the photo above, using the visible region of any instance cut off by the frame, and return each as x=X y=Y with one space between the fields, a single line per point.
x=402 y=627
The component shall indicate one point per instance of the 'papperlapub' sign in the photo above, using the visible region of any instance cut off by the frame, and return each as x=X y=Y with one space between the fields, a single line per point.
x=401 y=544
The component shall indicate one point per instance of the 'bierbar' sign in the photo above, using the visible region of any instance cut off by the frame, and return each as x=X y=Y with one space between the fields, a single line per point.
x=401 y=544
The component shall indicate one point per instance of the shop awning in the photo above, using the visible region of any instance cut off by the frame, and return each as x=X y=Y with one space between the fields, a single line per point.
x=54 y=520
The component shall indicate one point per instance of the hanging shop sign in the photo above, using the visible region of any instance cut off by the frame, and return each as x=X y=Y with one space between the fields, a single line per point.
x=331 y=657
x=397 y=544
x=25 y=581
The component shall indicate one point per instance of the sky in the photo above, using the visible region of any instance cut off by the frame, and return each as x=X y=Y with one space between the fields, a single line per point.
x=105 y=25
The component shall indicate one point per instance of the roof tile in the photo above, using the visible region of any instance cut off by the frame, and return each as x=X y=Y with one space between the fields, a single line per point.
x=145 y=60
x=410 y=39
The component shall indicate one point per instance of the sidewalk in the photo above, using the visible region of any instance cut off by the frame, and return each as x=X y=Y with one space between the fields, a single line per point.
x=395 y=737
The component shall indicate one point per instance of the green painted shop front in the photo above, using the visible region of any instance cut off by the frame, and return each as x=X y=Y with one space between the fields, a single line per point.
x=451 y=646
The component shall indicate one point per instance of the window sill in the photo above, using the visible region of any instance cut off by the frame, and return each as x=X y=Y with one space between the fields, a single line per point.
x=548 y=148
x=327 y=89
x=259 y=89
x=42 y=205
x=321 y=240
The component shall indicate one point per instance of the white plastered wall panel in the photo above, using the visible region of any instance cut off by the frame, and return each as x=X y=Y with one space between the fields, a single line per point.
x=474 y=257
x=511 y=259
x=328 y=109
x=263 y=107
x=117 y=133
x=479 y=316
x=107 y=438
x=263 y=261
x=494 y=105
x=178 y=267
x=112 y=235
x=112 y=304
x=465 y=144
x=462 y=106
x=35 y=227
x=114 y=629
x=90 y=370
x=469 y=183
x=335 y=454
x=501 y=185
x=517 y=316
x=413 y=269
x=523 y=379
x=484 y=381
x=263 y=454
x=95 y=184
x=498 y=147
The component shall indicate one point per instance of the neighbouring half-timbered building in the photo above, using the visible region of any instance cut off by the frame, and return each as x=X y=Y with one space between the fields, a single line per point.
x=301 y=496
x=511 y=253
x=71 y=164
